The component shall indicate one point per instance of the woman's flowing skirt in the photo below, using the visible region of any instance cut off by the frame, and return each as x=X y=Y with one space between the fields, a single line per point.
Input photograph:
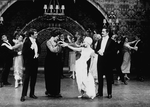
x=81 y=74
x=84 y=81
x=18 y=67
x=72 y=59
x=93 y=66
x=125 y=67
x=90 y=87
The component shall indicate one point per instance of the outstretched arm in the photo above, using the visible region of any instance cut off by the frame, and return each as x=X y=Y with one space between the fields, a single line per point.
x=69 y=46
x=132 y=42
x=9 y=47
x=130 y=47
x=74 y=48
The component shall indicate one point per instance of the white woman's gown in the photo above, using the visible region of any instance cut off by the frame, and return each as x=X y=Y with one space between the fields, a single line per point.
x=85 y=80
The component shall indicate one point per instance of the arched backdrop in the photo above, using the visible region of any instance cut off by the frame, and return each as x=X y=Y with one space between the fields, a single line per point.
x=133 y=15
x=48 y=25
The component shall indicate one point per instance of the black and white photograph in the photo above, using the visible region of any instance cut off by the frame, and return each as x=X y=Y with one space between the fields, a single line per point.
x=74 y=53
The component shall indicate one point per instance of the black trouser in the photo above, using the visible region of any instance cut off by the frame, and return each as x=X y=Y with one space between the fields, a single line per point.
x=31 y=70
x=53 y=72
x=6 y=70
x=104 y=68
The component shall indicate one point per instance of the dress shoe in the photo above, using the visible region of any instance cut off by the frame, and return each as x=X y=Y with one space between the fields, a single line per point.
x=98 y=95
x=125 y=83
x=6 y=83
x=58 y=96
x=141 y=79
x=80 y=96
x=33 y=96
x=55 y=96
x=109 y=96
x=1 y=84
x=22 y=99
x=46 y=93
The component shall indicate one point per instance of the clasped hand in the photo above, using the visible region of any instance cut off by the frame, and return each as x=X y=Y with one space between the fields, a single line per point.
x=63 y=44
x=136 y=48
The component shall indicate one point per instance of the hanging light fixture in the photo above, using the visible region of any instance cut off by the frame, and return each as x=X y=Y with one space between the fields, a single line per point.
x=54 y=8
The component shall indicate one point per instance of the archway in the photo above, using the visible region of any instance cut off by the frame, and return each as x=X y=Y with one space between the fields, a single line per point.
x=70 y=22
x=18 y=13
x=52 y=25
x=53 y=22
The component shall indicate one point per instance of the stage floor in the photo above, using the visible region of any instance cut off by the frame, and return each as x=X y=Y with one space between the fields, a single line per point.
x=135 y=94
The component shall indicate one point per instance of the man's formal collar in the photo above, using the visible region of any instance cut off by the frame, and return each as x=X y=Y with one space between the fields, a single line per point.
x=105 y=37
x=32 y=39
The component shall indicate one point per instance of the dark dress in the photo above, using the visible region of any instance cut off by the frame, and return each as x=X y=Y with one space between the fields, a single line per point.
x=53 y=71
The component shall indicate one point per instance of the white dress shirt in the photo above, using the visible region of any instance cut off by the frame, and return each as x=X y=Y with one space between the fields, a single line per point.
x=103 y=45
x=34 y=47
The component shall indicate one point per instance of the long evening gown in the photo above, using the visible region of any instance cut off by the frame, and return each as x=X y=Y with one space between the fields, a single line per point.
x=85 y=80
x=126 y=64
x=18 y=64
x=93 y=66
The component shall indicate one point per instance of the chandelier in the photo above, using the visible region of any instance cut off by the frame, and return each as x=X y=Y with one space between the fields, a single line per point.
x=54 y=8
x=113 y=22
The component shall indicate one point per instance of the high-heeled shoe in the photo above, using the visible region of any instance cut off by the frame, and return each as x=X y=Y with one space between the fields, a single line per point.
x=127 y=78
x=16 y=84
x=80 y=96
x=22 y=99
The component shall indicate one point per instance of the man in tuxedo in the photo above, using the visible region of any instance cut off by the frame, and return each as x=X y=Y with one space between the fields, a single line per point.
x=138 y=59
x=30 y=54
x=106 y=52
x=7 y=58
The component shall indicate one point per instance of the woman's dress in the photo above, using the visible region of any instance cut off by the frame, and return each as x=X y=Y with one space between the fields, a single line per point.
x=93 y=66
x=72 y=58
x=125 y=67
x=18 y=62
x=85 y=80
x=53 y=68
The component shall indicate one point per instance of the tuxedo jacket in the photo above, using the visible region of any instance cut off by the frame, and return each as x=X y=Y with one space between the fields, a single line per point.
x=7 y=54
x=27 y=52
x=110 y=48
x=109 y=52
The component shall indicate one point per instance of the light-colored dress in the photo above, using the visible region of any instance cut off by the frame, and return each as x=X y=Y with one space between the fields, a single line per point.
x=93 y=66
x=126 y=64
x=85 y=80
x=18 y=62
x=72 y=59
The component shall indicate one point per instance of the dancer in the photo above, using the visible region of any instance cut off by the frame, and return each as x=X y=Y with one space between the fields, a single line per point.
x=18 y=60
x=106 y=52
x=30 y=52
x=126 y=64
x=53 y=68
x=84 y=79
x=7 y=55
